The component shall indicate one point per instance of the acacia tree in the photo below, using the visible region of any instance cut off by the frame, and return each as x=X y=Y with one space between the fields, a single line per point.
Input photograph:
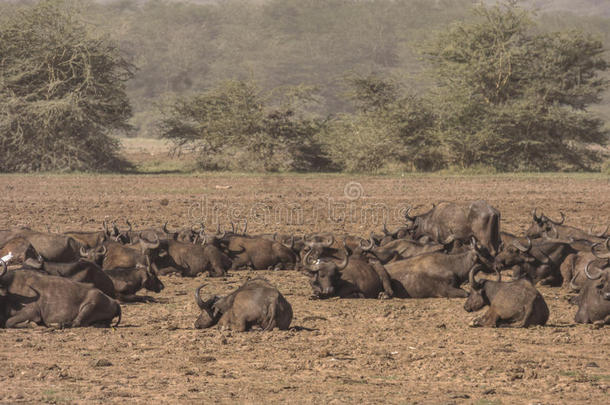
x=62 y=90
x=233 y=126
x=515 y=98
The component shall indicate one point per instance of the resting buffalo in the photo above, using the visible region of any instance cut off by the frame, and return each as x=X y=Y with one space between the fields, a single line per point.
x=353 y=277
x=257 y=253
x=514 y=302
x=594 y=298
x=45 y=300
x=52 y=247
x=448 y=219
x=116 y=255
x=540 y=260
x=543 y=225
x=255 y=303
x=192 y=259
x=433 y=274
x=128 y=281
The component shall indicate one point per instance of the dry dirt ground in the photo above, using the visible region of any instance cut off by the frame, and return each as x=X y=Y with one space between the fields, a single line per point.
x=337 y=351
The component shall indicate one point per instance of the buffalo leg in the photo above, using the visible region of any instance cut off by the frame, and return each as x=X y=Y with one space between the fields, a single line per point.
x=489 y=319
x=453 y=292
x=384 y=277
x=30 y=313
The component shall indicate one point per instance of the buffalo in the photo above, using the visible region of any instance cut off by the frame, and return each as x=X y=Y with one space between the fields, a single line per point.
x=447 y=219
x=255 y=303
x=434 y=274
x=353 y=277
x=45 y=300
x=594 y=298
x=515 y=302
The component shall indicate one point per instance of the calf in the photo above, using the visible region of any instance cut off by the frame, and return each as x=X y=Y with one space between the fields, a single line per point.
x=255 y=303
x=514 y=302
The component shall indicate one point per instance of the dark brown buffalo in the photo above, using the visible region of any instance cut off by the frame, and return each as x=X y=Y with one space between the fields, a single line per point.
x=45 y=300
x=515 y=302
x=540 y=260
x=116 y=255
x=543 y=225
x=594 y=298
x=52 y=247
x=255 y=303
x=434 y=274
x=128 y=281
x=574 y=267
x=257 y=253
x=448 y=219
x=191 y=259
x=353 y=277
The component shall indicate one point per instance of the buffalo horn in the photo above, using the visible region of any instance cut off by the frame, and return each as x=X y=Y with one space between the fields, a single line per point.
x=4 y=267
x=598 y=255
x=475 y=285
x=83 y=252
x=370 y=245
x=589 y=276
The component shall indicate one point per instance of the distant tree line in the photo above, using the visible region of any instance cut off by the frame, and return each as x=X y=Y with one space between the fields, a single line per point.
x=285 y=85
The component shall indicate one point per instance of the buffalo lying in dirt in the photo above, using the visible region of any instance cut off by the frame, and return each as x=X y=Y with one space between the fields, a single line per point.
x=434 y=274
x=128 y=281
x=191 y=259
x=594 y=298
x=255 y=303
x=510 y=303
x=353 y=277
x=28 y=295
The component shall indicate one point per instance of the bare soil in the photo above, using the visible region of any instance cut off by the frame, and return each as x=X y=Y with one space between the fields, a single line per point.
x=337 y=351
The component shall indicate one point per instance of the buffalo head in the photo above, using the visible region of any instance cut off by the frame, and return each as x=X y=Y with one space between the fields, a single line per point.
x=209 y=314
x=323 y=274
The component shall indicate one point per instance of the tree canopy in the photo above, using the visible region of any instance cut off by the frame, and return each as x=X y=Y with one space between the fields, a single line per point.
x=62 y=89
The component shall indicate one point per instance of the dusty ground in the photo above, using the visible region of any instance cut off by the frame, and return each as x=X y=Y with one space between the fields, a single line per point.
x=338 y=351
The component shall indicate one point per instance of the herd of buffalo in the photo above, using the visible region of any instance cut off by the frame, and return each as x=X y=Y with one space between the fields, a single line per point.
x=80 y=278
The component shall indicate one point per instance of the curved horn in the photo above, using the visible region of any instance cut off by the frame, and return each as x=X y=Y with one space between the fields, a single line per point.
x=164 y=228
x=563 y=219
x=198 y=299
x=306 y=260
x=407 y=216
x=385 y=230
x=536 y=218
x=370 y=245
x=589 y=276
x=232 y=227
x=599 y=235
x=105 y=226
x=245 y=227
x=129 y=225
x=329 y=241
x=522 y=248
x=596 y=254
x=475 y=285
x=83 y=252
x=343 y=264
x=103 y=250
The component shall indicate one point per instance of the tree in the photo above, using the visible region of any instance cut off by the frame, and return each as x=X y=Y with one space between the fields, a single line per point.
x=388 y=130
x=62 y=91
x=516 y=98
x=233 y=126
